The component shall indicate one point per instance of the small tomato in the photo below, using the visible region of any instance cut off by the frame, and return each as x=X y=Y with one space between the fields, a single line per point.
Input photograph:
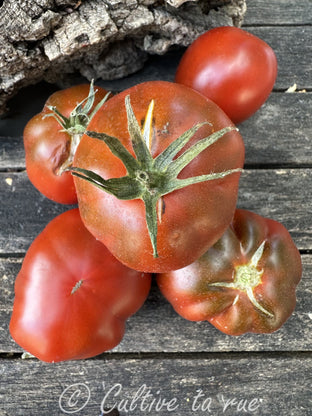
x=232 y=67
x=52 y=136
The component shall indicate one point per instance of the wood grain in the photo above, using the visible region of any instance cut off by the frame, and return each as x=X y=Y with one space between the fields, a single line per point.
x=293 y=51
x=260 y=385
x=273 y=193
x=283 y=12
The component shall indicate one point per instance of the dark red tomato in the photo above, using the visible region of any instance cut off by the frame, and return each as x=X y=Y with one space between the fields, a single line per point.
x=188 y=220
x=49 y=149
x=72 y=296
x=232 y=67
x=245 y=283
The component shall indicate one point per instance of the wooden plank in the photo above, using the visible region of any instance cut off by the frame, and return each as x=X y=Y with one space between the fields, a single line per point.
x=12 y=156
x=293 y=48
x=262 y=385
x=282 y=195
x=24 y=210
x=164 y=330
x=281 y=12
x=278 y=134
x=276 y=194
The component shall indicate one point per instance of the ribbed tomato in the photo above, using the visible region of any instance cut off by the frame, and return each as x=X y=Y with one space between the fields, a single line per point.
x=158 y=175
x=72 y=297
x=246 y=282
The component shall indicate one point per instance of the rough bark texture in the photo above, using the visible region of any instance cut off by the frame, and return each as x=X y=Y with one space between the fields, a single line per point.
x=53 y=39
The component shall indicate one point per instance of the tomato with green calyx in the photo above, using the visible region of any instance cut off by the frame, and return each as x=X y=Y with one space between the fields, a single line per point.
x=246 y=282
x=52 y=136
x=157 y=175
x=72 y=297
x=232 y=67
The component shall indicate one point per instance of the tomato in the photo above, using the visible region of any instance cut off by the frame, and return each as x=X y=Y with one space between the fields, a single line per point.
x=50 y=142
x=155 y=205
x=232 y=67
x=246 y=282
x=72 y=296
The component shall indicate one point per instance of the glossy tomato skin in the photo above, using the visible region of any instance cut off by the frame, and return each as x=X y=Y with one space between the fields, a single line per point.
x=47 y=146
x=72 y=296
x=190 y=219
x=232 y=67
x=202 y=291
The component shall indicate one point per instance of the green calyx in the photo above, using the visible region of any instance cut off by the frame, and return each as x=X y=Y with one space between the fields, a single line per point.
x=148 y=178
x=76 y=124
x=246 y=278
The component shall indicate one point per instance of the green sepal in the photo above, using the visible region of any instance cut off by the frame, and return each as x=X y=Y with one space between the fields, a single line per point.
x=182 y=161
x=62 y=120
x=86 y=105
x=176 y=184
x=163 y=160
x=124 y=188
x=118 y=149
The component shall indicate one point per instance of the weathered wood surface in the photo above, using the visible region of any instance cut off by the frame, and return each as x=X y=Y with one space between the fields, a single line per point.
x=235 y=384
x=275 y=193
x=174 y=358
x=281 y=12
x=293 y=49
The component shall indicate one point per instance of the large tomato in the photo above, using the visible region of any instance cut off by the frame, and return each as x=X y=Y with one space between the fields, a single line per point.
x=50 y=142
x=232 y=67
x=72 y=296
x=246 y=282
x=159 y=223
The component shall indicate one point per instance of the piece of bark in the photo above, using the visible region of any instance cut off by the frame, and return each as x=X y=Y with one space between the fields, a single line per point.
x=53 y=39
